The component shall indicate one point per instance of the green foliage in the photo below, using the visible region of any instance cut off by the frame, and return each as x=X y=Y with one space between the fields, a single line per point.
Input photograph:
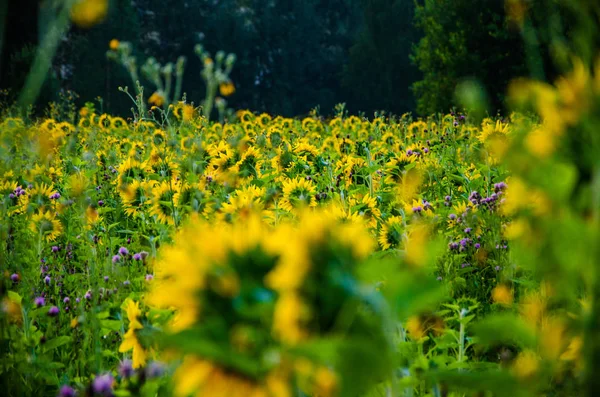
x=379 y=73
x=464 y=40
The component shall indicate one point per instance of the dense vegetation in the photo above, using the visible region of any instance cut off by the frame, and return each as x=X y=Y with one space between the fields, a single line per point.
x=158 y=240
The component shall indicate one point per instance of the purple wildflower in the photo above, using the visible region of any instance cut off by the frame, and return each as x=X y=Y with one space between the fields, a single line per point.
x=39 y=301
x=66 y=391
x=126 y=369
x=155 y=369
x=137 y=257
x=123 y=251
x=53 y=311
x=116 y=258
x=102 y=384
x=14 y=277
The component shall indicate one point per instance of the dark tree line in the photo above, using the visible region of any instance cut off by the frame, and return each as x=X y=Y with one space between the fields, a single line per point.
x=295 y=55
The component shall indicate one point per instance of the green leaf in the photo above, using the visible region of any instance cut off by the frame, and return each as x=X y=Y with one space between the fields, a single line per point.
x=112 y=325
x=13 y=296
x=504 y=328
x=57 y=342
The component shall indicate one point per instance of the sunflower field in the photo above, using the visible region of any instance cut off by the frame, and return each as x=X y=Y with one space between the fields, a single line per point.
x=269 y=256
x=193 y=249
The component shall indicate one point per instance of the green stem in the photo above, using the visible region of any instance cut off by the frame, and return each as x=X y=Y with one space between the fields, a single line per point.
x=43 y=58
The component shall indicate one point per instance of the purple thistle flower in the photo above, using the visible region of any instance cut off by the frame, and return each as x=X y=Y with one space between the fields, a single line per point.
x=77 y=300
x=149 y=277
x=14 y=277
x=137 y=257
x=477 y=245
x=11 y=196
x=409 y=152
x=452 y=217
x=497 y=268
x=66 y=391
x=155 y=369
x=102 y=384
x=447 y=198
x=88 y=295
x=126 y=282
x=126 y=369
x=106 y=278
x=66 y=300
x=426 y=150
x=144 y=254
x=47 y=280
x=465 y=265
x=100 y=203
x=53 y=311
x=55 y=248
x=39 y=301
x=116 y=258
x=123 y=251
x=500 y=186
x=468 y=230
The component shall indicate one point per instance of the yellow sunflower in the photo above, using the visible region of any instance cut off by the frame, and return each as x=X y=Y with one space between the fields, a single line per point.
x=46 y=224
x=298 y=193
x=390 y=234
x=130 y=339
x=163 y=202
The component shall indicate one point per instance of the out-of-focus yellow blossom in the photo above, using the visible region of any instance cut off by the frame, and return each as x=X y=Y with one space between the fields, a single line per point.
x=87 y=13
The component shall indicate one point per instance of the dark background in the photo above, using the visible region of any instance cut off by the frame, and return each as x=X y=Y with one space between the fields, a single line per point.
x=295 y=55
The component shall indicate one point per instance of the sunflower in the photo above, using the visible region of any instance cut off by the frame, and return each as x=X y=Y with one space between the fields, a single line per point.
x=367 y=208
x=298 y=192
x=104 y=122
x=263 y=120
x=390 y=234
x=244 y=201
x=118 y=123
x=39 y=195
x=92 y=218
x=134 y=196
x=193 y=198
x=394 y=168
x=46 y=224
x=163 y=202
x=245 y=116
x=495 y=138
x=306 y=151
x=131 y=169
x=130 y=339
x=249 y=166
